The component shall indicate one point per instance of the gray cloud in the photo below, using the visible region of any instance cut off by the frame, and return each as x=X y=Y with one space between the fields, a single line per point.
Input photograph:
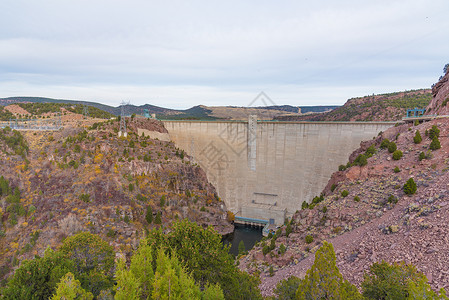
x=180 y=53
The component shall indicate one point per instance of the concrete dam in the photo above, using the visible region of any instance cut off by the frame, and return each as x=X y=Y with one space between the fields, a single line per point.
x=265 y=170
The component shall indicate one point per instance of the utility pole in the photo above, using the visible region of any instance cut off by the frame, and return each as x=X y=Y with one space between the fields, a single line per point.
x=122 y=131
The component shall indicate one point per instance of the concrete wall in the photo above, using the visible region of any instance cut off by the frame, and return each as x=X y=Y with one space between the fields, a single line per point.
x=263 y=169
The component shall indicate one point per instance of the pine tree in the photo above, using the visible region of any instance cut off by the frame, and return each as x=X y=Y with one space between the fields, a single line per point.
x=70 y=288
x=149 y=215
x=417 y=138
x=128 y=286
x=158 y=219
x=324 y=281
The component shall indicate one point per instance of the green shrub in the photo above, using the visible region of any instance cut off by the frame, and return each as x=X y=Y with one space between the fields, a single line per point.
x=271 y=271
x=397 y=281
x=434 y=132
x=421 y=156
x=341 y=167
x=344 y=193
x=158 y=219
x=266 y=249
x=282 y=249
x=409 y=187
x=309 y=239
x=361 y=160
x=392 y=147
x=202 y=208
x=149 y=215
x=162 y=201
x=356 y=198
x=392 y=199
x=384 y=144
x=417 y=138
x=131 y=187
x=435 y=144
x=333 y=186
x=304 y=205
x=324 y=210
x=85 y=197
x=370 y=151
x=286 y=289
x=397 y=155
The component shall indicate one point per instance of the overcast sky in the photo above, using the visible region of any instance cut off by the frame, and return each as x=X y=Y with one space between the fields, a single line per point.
x=179 y=54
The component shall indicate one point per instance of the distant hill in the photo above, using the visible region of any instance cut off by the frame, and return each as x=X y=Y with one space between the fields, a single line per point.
x=199 y=112
x=383 y=107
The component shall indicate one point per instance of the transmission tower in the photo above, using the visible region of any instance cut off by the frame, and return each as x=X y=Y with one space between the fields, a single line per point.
x=122 y=131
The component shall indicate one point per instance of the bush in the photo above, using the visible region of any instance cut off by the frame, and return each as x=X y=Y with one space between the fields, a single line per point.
x=282 y=249
x=392 y=147
x=434 y=132
x=304 y=205
x=158 y=219
x=356 y=198
x=266 y=249
x=370 y=151
x=384 y=144
x=392 y=199
x=435 y=144
x=361 y=160
x=341 y=167
x=409 y=187
x=417 y=138
x=309 y=239
x=344 y=193
x=422 y=156
x=85 y=197
x=286 y=289
x=333 y=186
x=397 y=155
x=396 y=281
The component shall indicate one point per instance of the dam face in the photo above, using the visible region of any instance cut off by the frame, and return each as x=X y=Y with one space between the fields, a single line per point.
x=265 y=170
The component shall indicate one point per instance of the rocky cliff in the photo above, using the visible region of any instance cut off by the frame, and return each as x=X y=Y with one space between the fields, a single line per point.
x=89 y=179
x=370 y=212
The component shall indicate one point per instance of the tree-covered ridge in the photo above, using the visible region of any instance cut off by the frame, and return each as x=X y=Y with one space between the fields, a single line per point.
x=5 y=115
x=13 y=141
x=383 y=107
x=160 y=268
x=90 y=179
x=37 y=109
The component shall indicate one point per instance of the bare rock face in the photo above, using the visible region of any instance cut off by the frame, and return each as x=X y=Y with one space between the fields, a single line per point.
x=440 y=102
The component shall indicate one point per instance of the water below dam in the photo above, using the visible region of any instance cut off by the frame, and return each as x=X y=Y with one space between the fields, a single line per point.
x=250 y=235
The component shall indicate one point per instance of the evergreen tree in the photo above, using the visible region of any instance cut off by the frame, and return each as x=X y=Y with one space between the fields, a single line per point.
x=206 y=258
x=397 y=281
x=324 y=281
x=435 y=144
x=410 y=187
x=149 y=215
x=93 y=258
x=417 y=138
x=286 y=289
x=37 y=278
x=158 y=219
x=128 y=286
x=70 y=288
